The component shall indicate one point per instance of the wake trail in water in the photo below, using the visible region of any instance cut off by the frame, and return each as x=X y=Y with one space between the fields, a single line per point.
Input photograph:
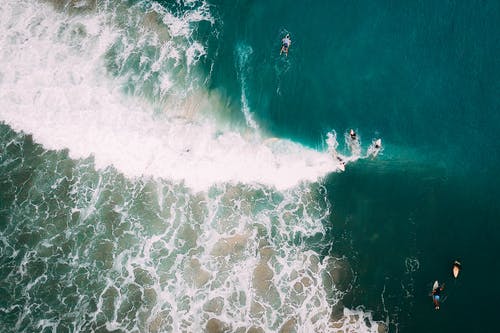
x=243 y=54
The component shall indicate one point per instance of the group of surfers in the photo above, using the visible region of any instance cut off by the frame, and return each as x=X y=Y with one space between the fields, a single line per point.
x=436 y=292
x=286 y=42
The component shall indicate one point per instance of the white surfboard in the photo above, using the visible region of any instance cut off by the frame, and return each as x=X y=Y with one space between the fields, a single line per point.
x=456 y=268
x=374 y=148
x=435 y=285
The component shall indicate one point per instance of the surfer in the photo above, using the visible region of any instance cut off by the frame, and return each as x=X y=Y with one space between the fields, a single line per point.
x=436 y=293
x=285 y=44
x=456 y=268
x=374 y=148
x=352 y=134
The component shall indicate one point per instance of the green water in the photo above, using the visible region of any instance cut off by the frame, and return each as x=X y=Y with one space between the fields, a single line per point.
x=86 y=249
x=387 y=218
x=424 y=77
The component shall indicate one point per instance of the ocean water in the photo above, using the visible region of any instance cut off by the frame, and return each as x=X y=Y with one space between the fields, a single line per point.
x=164 y=169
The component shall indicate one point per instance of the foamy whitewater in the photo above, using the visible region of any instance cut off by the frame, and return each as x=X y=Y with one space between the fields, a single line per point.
x=55 y=86
x=213 y=238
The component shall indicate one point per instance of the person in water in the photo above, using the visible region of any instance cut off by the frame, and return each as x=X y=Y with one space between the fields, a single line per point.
x=436 y=294
x=352 y=134
x=457 y=266
x=285 y=44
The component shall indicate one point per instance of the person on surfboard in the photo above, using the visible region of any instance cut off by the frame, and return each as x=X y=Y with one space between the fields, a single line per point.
x=352 y=134
x=285 y=44
x=456 y=268
x=436 y=294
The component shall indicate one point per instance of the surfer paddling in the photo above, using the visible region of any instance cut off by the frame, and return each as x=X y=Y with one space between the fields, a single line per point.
x=374 y=148
x=436 y=294
x=285 y=44
x=353 y=135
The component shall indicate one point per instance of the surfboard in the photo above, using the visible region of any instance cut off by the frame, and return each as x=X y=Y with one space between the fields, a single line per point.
x=374 y=148
x=435 y=285
x=341 y=164
x=456 y=268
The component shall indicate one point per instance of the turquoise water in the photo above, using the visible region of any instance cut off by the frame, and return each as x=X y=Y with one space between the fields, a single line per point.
x=400 y=70
x=164 y=169
x=424 y=77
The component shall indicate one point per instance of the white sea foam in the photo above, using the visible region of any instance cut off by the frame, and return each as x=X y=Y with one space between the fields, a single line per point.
x=229 y=252
x=54 y=87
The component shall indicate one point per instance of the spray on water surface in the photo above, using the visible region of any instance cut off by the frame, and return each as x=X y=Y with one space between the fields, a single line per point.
x=129 y=202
